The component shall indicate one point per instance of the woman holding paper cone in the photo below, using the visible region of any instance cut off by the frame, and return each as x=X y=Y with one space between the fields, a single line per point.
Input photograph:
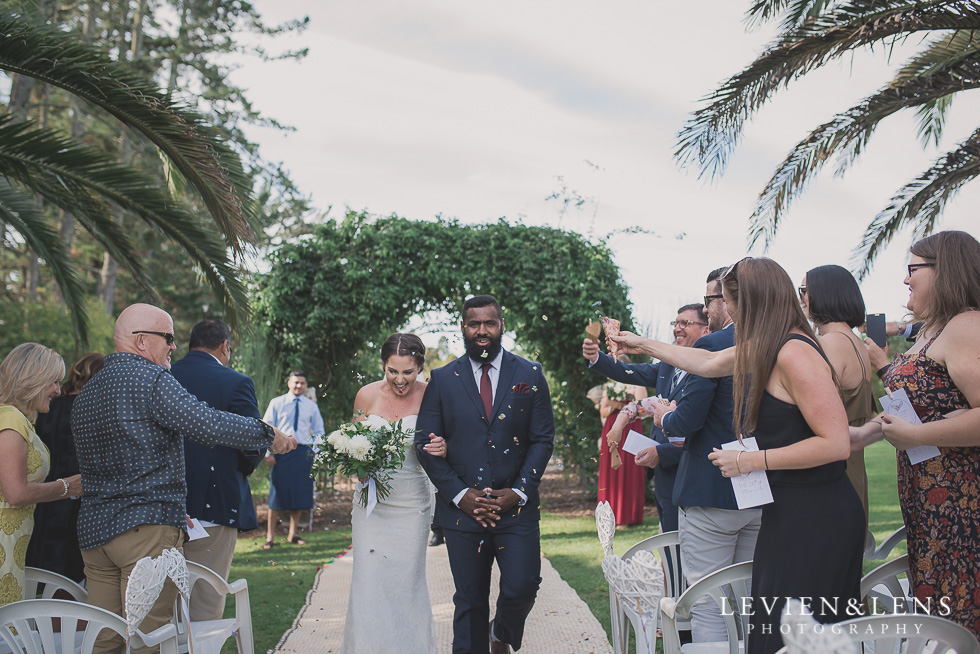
x=812 y=535
x=621 y=482
x=940 y=374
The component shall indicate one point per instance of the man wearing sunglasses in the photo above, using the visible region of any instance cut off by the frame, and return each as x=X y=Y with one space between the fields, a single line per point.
x=129 y=423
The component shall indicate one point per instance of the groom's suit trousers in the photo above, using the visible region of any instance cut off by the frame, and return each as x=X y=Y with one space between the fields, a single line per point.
x=517 y=550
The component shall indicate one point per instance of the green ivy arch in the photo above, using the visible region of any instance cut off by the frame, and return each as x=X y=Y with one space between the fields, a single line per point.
x=331 y=299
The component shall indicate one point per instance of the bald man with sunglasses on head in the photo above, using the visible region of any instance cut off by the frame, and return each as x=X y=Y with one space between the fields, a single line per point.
x=129 y=423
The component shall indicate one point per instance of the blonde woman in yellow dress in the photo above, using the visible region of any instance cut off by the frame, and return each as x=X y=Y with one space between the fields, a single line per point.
x=29 y=378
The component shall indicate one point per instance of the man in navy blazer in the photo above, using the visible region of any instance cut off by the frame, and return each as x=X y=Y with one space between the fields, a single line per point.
x=670 y=383
x=217 y=486
x=494 y=410
x=713 y=532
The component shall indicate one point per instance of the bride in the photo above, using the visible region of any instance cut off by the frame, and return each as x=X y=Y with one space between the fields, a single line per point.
x=389 y=599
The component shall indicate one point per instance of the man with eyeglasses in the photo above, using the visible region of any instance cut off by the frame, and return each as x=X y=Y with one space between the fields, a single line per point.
x=129 y=423
x=690 y=325
x=713 y=532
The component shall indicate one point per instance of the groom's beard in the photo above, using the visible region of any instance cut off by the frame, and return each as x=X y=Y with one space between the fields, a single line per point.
x=480 y=353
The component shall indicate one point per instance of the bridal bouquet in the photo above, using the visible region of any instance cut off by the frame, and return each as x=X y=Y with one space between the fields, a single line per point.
x=370 y=452
x=617 y=392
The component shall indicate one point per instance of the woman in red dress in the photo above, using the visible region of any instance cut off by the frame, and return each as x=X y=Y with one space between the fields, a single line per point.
x=623 y=486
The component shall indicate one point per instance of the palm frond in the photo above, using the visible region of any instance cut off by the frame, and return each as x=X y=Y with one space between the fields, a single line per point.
x=794 y=12
x=195 y=148
x=931 y=118
x=957 y=48
x=18 y=211
x=849 y=132
x=921 y=201
x=713 y=130
x=83 y=181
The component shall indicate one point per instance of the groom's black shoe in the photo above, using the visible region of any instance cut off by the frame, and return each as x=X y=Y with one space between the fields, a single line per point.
x=437 y=537
x=498 y=646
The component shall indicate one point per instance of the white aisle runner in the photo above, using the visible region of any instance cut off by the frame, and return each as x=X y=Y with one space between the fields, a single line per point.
x=560 y=622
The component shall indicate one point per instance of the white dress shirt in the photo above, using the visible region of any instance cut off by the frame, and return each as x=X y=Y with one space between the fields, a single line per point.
x=280 y=415
x=494 y=374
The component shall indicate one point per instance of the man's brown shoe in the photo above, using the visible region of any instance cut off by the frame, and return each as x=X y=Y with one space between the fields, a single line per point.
x=498 y=646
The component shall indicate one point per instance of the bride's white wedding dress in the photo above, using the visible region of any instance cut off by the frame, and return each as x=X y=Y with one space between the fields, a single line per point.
x=389 y=599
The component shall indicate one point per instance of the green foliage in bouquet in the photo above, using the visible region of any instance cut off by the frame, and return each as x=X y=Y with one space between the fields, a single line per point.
x=359 y=449
x=617 y=392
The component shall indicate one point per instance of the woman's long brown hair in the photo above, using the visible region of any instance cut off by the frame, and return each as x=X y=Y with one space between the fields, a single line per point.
x=766 y=312
x=82 y=371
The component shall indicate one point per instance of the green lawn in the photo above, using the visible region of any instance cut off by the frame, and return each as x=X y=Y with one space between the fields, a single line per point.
x=279 y=579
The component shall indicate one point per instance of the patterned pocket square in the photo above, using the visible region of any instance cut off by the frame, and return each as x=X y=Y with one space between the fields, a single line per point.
x=520 y=389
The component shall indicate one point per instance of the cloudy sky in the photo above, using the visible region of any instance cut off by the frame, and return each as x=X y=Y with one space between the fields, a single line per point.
x=478 y=111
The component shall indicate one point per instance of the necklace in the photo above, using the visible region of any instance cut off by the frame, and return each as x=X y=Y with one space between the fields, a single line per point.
x=397 y=412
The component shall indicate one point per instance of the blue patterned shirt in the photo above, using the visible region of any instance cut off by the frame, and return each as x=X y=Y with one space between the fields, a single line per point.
x=129 y=422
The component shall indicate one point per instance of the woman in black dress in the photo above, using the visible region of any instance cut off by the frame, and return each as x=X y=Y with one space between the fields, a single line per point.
x=812 y=536
x=54 y=542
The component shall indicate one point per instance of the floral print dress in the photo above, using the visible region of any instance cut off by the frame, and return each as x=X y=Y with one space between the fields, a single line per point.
x=940 y=498
x=17 y=522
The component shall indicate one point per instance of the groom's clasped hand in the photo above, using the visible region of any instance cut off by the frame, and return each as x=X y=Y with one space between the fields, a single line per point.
x=487 y=506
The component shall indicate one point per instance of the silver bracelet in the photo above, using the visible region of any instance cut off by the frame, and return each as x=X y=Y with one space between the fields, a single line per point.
x=66 y=486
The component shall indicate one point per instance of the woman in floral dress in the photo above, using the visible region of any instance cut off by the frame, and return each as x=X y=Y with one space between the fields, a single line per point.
x=941 y=375
x=29 y=378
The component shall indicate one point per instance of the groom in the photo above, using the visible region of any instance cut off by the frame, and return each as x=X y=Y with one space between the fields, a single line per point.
x=494 y=410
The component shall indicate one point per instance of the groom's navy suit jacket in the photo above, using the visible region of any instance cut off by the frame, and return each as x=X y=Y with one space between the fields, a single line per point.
x=658 y=376
x=217 y=488
x=508 y=449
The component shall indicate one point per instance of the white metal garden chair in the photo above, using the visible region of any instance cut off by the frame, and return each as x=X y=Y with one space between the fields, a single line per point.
x=726 y=587
x=28 y=627
x=209 y=636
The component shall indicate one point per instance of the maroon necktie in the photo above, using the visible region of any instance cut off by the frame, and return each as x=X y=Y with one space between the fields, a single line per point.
x=486 y=390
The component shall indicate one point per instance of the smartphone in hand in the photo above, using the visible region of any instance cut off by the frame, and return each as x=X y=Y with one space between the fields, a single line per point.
x=875 y=328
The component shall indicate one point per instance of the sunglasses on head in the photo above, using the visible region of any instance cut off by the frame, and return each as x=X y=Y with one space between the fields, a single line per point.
x=167 y=336
x=733 y=270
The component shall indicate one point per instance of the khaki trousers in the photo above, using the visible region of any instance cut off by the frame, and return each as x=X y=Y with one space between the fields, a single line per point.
x=215 y=552
x=107 y=570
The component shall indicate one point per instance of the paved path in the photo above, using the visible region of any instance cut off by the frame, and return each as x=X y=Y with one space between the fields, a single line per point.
x=560 y=622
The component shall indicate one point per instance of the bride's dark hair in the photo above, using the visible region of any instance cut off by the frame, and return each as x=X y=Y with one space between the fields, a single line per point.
x=405 y=345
